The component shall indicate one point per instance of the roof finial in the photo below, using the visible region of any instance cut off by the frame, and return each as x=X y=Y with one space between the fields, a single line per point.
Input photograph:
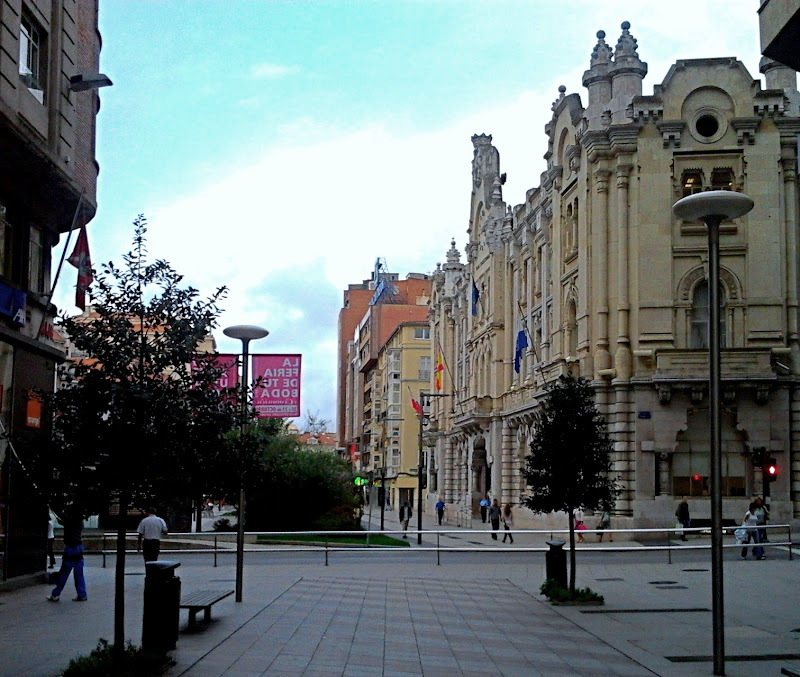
x=626 y=45
x=601 y=52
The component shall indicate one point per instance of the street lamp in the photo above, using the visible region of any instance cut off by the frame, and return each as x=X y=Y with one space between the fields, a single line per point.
x=712 y=207
x=245 y=333
x=423 y=418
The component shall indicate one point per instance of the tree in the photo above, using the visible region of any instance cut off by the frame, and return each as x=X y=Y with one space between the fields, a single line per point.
x=141 y=424
x=569 y=465
x=315 y=424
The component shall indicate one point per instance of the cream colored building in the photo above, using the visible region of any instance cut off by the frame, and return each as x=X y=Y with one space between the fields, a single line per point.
x=404 y=370
x=605 y=283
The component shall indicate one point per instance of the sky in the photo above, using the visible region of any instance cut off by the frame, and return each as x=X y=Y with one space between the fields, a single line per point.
x=279 y=147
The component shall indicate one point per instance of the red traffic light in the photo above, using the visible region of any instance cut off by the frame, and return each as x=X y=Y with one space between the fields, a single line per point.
x=771 y=469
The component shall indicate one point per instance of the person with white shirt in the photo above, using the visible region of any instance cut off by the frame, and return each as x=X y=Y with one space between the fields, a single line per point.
x=151 y=529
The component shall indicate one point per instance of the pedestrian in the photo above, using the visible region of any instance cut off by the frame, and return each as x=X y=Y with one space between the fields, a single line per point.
x=762 y=513
x=51 y=539
x=440 y=509
x=405 y=516
x=682 y=514
x=71 y=559
x=484 y=507
x=494 y=517
x=750 y=522
x=151 y=529
x=578 y=524
x=508 y=522
x=604 y=523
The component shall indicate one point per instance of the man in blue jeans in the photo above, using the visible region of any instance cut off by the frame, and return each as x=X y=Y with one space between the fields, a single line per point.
x=71 y=561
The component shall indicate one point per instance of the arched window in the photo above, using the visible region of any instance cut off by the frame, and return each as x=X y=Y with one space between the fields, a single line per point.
x=722 y=179
x=572 y=329
x=698 y=331
x=692 y=182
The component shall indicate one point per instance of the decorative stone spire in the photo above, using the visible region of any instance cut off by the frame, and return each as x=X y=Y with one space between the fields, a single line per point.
x=626 y=45
x=453 y=255
x=601 y=54
x=598 y=81
x=627 y=74
x=561 y=90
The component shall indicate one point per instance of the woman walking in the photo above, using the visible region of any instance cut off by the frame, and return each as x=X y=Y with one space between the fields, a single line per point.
x=508 y=522
x=603 y=524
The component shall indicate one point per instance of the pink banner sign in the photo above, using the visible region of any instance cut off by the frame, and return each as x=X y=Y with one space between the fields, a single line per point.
x=230 y=374
x=278 y=393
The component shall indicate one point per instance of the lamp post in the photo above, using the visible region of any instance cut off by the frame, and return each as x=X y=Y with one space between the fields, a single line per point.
x=245 y=333
x=712 y=207
x=424 y=398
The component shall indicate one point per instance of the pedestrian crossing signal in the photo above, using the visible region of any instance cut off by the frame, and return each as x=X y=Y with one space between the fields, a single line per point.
x=771 y=470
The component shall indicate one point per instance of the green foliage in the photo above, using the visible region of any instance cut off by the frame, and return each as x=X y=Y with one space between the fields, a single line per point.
x=290 y=487
x=555 y=592
x=375 y=540
x=569 y=464
x=139 y=415
x=131 y=662
x=223 y=524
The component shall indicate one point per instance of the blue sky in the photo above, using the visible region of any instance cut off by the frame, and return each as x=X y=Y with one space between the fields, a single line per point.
x=279 y=148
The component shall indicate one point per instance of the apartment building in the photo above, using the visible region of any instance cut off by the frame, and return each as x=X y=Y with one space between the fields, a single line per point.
x=49 y=56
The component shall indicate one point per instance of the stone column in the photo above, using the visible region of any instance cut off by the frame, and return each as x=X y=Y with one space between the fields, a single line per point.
x=507 y=468
x=602 y=356
x=622 y=357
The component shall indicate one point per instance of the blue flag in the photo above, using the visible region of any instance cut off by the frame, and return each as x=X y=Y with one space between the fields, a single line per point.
x=475 y=296
x=522 y=343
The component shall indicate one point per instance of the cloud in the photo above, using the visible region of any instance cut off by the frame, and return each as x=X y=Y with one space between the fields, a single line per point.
x=269 y=71
x=289 y=227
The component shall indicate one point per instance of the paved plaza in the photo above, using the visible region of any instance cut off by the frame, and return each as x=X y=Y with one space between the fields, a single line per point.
x=396 y=618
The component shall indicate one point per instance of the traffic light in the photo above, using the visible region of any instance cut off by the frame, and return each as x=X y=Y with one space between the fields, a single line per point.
x=360 y=481
x=771 y=470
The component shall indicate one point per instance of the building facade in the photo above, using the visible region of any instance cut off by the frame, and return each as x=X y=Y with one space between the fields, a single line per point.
x=404 y=371
x=48 y=176
x=392 y=302
x=593 y=276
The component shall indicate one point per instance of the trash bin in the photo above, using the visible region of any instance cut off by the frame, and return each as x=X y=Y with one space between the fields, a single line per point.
x=556 y=562
x=161 y=614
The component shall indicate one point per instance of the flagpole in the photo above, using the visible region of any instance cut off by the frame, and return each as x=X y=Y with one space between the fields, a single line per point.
x=66 y=247
x=531 y=342
x=49 y=295
x=456 y=400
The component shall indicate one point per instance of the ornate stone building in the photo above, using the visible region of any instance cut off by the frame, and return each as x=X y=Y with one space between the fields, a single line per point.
x=592 y=275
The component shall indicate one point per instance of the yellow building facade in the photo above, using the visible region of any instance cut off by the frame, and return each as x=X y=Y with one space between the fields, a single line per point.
x=404 y=371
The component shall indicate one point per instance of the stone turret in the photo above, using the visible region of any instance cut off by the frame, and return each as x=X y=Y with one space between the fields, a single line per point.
x=776 y=75
x=597 y=81
x=627 y=74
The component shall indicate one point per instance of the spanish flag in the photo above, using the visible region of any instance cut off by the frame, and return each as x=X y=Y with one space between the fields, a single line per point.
x=439 y=371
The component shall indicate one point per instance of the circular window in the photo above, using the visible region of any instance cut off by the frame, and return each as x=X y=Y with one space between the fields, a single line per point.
x=707 y=125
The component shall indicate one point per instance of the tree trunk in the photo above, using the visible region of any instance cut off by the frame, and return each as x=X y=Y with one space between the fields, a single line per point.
x=119 y=580
x=571 y=556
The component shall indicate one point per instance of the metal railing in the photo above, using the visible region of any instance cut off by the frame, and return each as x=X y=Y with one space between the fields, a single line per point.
x=218 y=547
